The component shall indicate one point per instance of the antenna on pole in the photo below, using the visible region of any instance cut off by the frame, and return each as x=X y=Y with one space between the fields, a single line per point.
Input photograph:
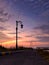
x=17 y=32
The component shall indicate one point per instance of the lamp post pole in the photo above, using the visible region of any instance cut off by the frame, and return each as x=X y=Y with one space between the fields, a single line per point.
x=17 y=32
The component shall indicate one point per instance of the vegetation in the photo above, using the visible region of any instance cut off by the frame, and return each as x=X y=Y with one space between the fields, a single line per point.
x=3 y=49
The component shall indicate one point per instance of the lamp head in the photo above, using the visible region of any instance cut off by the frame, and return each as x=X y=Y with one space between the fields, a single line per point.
x=21 y=25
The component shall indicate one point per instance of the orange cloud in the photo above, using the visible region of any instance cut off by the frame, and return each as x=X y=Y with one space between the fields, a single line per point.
x=9 y=44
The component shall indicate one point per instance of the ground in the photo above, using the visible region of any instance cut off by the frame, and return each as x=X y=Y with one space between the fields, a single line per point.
x=23 y=57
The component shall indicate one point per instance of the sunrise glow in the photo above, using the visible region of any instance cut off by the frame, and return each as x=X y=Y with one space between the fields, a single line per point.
x=35 y=18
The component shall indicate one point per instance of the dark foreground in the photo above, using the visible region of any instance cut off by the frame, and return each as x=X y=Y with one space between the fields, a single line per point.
x=25 y=57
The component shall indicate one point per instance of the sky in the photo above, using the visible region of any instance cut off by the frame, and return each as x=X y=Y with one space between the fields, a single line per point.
x=34 y=15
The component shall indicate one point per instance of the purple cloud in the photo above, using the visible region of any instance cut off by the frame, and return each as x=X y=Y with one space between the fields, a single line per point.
x=43 y=38
x=43 y=28
x=2 y=28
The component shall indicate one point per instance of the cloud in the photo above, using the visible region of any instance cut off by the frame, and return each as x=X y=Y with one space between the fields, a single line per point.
x=3 y=13
x=3 y=36
x=39 y=6
x=43 y=31
x=28 y=0
x=30 y=41
x=2 y=28
x=43 y=28
x=4 y=16
x=43 y=38
x=3 y=20
x=35 y=6
x=28 y=36
x=19 y=38
x=12 y=33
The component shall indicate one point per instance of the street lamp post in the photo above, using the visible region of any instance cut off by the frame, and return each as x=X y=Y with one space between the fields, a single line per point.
x=17 y=32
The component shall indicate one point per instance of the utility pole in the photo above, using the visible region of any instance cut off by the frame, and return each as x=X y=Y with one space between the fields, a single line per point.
x=17 y=32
